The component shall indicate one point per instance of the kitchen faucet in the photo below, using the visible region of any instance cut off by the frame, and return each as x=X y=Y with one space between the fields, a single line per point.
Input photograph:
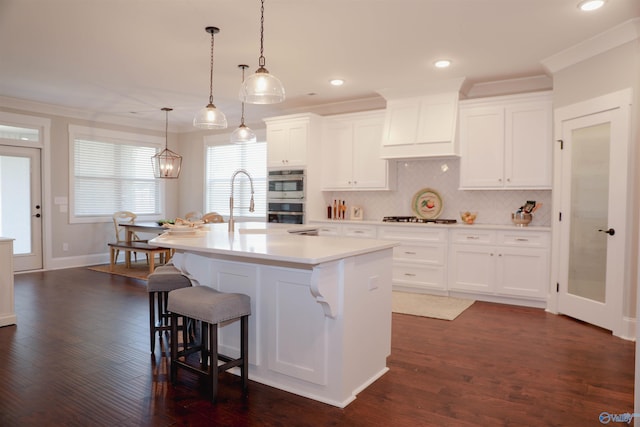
x=251 y=203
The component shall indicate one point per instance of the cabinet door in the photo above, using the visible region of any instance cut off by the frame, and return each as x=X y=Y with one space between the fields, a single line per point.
x=401 y=123
x=472 y=268
x=369 y=170
x=481 y=147
x=528 y=145
x=287 y=144
x=337 y=155
x=522 y=272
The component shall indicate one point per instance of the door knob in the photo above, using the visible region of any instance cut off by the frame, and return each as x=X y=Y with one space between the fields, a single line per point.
x=610 y=231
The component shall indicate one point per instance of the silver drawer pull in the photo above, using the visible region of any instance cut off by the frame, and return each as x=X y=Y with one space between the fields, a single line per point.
x=473 y=238
x=409 y=253
x=410 y=274
x=520 y=239
x=358 y=232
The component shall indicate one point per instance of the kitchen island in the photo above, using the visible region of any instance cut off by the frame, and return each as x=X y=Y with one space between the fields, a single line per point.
x=321 y=306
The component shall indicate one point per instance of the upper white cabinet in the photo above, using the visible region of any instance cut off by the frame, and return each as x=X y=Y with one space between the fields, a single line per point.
x=288 y=139
x=506 y=142
x=421 y=126
x=350 y=153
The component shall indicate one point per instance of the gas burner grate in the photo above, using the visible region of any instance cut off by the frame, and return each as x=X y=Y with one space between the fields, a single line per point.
x=415 y=219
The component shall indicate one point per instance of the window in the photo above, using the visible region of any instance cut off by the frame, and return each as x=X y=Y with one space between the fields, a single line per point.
x=221 y=162
x=111 y=171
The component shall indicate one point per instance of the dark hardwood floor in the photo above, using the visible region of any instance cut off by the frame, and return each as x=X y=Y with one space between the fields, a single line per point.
x=80 y=357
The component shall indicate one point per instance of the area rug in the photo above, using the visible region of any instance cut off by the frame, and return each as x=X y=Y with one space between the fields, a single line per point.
x=138 y=270
x=437 y=307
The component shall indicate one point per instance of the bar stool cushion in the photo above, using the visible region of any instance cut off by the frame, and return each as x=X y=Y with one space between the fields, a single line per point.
x=208 y=305
x=167 y=278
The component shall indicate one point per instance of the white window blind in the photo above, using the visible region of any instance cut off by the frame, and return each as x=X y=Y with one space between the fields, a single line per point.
x=221 y=162
x=112 y=174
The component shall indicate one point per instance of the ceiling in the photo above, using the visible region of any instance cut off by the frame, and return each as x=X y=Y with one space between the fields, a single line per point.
x=130 y=58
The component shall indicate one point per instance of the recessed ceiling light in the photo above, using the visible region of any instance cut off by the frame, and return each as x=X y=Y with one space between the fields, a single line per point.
x=589 y=5
x=442 y=63
x=336 y=82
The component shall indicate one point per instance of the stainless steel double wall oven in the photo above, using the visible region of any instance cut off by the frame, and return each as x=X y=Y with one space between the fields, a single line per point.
x=286 y=196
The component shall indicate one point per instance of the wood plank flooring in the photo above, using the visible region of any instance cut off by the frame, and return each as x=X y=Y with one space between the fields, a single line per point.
x=80 y=357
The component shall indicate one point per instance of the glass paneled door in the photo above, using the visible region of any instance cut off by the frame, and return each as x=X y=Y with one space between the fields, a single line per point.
x=593 y=224
x=20 y=204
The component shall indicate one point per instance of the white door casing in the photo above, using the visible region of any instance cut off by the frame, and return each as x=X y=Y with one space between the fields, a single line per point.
x=606 y=311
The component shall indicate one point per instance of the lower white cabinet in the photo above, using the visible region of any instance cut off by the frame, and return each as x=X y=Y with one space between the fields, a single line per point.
x=419 y=261
x=500 y=262
x=7 y=309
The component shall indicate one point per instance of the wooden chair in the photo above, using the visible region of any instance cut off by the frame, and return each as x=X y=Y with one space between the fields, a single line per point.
x=193 y=216
x=212 y=217
x=125 y=217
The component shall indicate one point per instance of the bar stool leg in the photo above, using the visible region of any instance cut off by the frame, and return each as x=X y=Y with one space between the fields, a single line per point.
x=244 y=352
x=174 y=347
x=152 y=322
x=213 y=355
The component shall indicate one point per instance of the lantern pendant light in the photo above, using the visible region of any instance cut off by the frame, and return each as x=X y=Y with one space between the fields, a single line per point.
x=210 y=117
x=262 y=87
x=166 y=164
x=243 y=133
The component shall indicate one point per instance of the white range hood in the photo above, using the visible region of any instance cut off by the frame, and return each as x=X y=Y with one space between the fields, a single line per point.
x=419 y=125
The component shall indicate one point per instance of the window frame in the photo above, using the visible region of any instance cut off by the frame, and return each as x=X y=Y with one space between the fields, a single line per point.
x=219 y=140
x=116 y=137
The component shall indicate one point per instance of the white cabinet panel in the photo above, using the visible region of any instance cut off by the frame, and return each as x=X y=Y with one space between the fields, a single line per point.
x=500 y=262
x=288 y=139
x=350 y=153
x=297 y=342
x=421 y=126
x=506 y=142
x=7 y=309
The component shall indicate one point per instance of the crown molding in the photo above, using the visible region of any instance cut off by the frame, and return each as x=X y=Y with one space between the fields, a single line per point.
x=612 y=38
x=41 y=108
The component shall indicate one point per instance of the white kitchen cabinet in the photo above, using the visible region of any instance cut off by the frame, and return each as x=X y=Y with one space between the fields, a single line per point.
x=422 y=126
x=7 y=308
x=350 y=153
x=500 y=262
x=289 y=138
x=506 y=142
x=420 y=261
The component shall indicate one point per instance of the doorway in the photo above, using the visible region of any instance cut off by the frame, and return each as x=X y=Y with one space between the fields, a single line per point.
x=592 y=210
x=20 y=204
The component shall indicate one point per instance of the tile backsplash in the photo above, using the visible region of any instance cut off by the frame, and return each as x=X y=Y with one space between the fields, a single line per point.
x=442 y=175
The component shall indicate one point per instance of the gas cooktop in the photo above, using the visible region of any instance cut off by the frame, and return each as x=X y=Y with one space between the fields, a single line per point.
x=418 y=220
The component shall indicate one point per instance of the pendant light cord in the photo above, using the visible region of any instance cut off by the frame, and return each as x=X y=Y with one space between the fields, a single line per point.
x=211 y=72
x=242 y=116
x=261 y=60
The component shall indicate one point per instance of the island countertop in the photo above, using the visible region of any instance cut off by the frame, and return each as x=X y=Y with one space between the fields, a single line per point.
x=270 y=242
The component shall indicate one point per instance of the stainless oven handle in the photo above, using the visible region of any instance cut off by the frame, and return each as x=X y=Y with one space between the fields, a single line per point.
x=287 y=178
x=285 y=213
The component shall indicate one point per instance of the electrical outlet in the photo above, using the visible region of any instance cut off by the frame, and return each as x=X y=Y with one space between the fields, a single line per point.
x=65 y=247
x=373 y=283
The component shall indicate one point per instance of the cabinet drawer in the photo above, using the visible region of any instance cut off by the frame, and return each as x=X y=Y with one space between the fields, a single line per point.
x=359 y=231
x=419 y=276
x=524 y=239
x=329 y=230
x=413 y=234
x=475 y=237
x=428 y=254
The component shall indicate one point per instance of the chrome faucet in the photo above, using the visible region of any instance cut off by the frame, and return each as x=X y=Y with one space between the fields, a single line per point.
x=232 y=222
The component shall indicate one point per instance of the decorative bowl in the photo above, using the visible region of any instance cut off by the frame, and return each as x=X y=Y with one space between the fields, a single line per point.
x=468 y=217
x=521 y=219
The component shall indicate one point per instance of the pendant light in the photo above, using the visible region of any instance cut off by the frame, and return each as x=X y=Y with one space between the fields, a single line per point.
x=166 y=164
x=243 y=133
x=210 y=117
x=262 y=87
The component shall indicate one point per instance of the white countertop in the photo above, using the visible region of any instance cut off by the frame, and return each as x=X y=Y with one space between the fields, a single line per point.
x=508 y=227
x=270 y=242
